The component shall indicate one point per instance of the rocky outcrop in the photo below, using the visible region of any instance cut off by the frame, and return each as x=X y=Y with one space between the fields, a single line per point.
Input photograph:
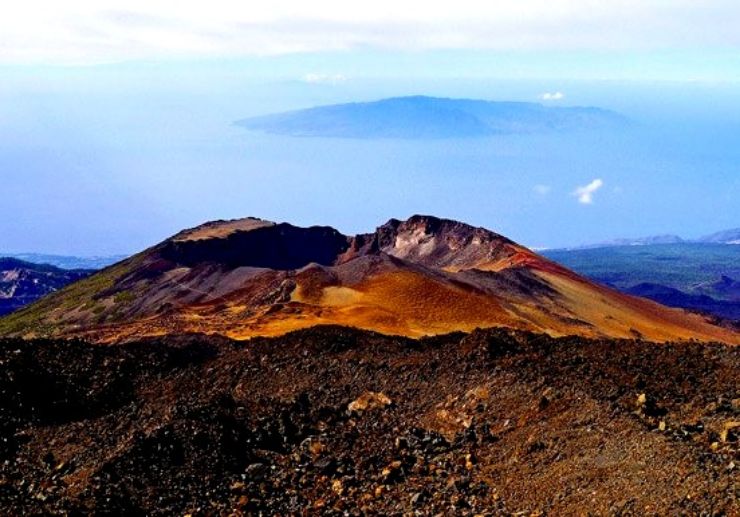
x=328 y=421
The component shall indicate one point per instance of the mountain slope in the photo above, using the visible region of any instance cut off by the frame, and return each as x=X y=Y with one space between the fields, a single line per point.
x=723 y=237
x=417 y=277
x=691 y=275
x=22 y=282
x=671 y=297
x=431 y=117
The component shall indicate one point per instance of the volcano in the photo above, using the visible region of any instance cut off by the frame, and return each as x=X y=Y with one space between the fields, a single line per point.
x=423 y=276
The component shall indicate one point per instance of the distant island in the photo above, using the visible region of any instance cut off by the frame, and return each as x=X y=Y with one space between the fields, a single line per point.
x=422 y=117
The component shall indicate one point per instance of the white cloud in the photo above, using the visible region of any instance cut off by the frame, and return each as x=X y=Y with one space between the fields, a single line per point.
x=586 y=194
x=542 y=190
x=89 y=31
x=554 y=96
x=324 y=78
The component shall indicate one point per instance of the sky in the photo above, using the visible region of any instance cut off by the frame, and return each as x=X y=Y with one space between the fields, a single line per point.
x=94 y=31
x=116 y=118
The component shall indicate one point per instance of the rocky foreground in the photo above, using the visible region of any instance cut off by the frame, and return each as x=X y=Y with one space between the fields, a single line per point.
x=341 y=422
